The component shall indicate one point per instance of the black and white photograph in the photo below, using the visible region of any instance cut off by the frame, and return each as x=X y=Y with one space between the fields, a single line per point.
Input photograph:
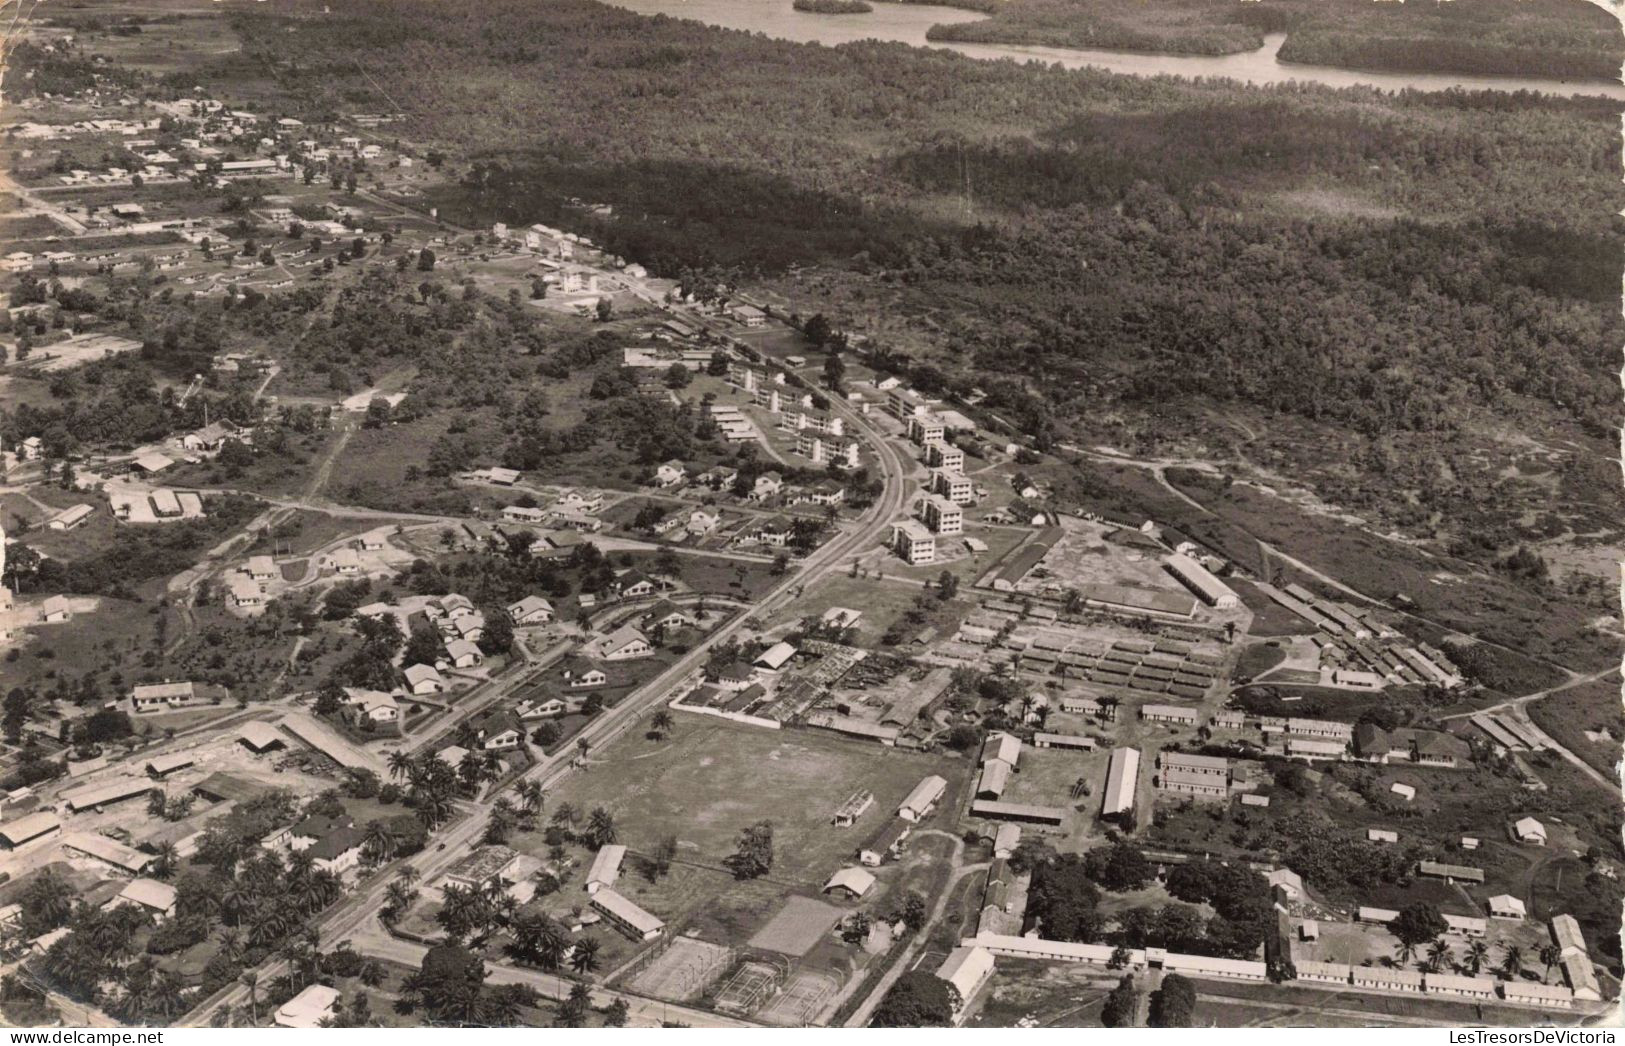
x=811 y=514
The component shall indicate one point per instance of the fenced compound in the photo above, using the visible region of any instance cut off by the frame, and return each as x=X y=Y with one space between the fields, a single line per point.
x=802 y=1001
x=750 y=986
x=680 y=971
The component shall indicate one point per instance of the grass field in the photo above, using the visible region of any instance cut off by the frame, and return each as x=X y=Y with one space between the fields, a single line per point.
x=706 y=782
x=1580 y=719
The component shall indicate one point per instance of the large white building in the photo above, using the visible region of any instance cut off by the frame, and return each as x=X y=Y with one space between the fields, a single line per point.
x=953 y=485
x=913 y=542
x=1122 y=778
x=1200 y=580
x=920 y=802
x=942 y=515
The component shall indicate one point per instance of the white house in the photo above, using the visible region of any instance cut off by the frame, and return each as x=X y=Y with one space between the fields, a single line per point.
x=372 y=706
x=463 y=654
x=532 y=610
x=624 y=644
x=424 y=679
x=1529 y=830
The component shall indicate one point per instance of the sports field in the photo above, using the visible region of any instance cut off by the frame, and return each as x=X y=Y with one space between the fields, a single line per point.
x=710 y=779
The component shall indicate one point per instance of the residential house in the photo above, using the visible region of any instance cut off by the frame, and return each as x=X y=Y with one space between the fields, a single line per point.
x=463 y=654
x=423 y=679
x=1529 y=830
x=581 y=674
x=668 y=615
x=371 y=706
x=532 y=610
x=633 y=584
x=624 y=644
x=158 y=697
x=498 y=731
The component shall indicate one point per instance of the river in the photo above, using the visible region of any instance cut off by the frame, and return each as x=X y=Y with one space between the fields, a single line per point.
x=907 y=24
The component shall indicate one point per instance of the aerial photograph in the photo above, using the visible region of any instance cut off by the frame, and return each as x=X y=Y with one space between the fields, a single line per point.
x=779 y=514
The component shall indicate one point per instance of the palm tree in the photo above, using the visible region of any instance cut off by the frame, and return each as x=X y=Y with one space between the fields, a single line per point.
x=1404 y=953
x=251 y=981
x=379 y=841
x=565 y=813
x=530 y=797
x=1477 y=953
x=400 y=765
x=372 y=973
x=600 y=827
x=585 y=958
x=491 y=766
x=1438 y=955
x=399 y=898
x=1550 y=955
x=231 y=943
x=166 y=858
x=661 y=722
x=1511 y=960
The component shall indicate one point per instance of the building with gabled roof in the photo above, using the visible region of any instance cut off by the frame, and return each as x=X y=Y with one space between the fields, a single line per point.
x=41 y=824
x=967 y=969
x=154 y=697
x=108 y=851
x=161 y=766
x=887 y=843
x=626 y=916
x=1529 y=830
x=923 y=799
x=423 y=679
x=1122 y=778
x=1449 y=872
x=853 y=882
x=606 y=867
x=1001 y=746
x=531 y=610
x=150 y=895
x=624 y=644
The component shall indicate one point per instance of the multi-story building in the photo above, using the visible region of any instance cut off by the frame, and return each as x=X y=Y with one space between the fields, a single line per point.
x=942 y=455
x=913 y=542
x=953 y=485
x=942 y=515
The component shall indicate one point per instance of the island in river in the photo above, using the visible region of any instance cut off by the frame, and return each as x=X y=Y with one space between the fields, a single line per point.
x=834 y=7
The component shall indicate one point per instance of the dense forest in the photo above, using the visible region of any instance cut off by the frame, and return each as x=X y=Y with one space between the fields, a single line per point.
x=1124 y=243
x=1559 y=39
x=1208 y=27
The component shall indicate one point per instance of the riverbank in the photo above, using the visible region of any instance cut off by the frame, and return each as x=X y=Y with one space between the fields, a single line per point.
x=1557 y=39
x=930 y=25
